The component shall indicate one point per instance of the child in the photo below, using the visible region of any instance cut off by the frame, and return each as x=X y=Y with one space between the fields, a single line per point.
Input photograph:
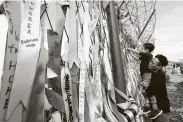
x=146 y=57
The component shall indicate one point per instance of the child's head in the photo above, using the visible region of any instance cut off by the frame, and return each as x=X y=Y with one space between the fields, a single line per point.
x=148 y=47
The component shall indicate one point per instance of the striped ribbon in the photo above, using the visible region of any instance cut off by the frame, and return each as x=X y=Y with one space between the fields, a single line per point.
x=132 y=111
x=109 y=113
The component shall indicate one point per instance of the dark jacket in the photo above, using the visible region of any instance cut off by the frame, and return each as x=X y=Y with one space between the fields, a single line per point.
x=145 y=59
x=157 y=87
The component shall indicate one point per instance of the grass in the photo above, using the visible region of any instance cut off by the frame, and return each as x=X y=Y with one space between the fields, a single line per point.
x=175 y=93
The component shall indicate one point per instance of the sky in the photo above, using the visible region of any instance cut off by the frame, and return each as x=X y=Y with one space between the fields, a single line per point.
x=169 y=29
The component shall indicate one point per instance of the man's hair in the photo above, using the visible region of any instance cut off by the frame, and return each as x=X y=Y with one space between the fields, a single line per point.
x=163 y=60
x=149 y=46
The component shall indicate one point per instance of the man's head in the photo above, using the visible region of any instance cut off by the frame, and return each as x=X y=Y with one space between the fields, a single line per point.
x=148 y=47
x=158 y=62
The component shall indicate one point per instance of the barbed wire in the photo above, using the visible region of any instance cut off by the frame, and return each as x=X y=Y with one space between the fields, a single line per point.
x=137 y=13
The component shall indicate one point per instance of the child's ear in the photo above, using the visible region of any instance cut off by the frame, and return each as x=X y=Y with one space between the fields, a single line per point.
x=147 y=50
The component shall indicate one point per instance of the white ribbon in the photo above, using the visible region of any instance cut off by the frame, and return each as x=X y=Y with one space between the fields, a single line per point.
x=105 y=3
x=82 y=79
x=74 y=79
x=13 y=13
x=73 y=35
x=86 y=41
x=27 y=57
x=90 y=99
x=44 y=31
x=73 y=53
x=55 y=117
x=4 y=24
x=51 y=74
x=65 y=41
x=67 y=93
x=56 y=16
x=96 y=15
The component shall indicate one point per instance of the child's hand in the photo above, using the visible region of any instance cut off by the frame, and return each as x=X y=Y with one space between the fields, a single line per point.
x=133 y=50
x=129 y=49
x=143 y=91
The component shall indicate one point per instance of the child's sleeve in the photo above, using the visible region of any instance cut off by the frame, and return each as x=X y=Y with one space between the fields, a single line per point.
x=144 y=56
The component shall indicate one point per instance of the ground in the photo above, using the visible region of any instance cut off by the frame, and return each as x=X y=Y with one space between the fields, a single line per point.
x=175 y=93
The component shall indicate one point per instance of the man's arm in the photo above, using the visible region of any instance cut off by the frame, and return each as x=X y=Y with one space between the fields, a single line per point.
x=150 y=90
x=156 y=85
